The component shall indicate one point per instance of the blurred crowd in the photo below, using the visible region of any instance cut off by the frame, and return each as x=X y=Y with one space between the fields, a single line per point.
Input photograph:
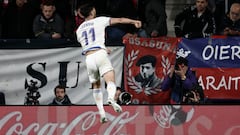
x=54 y=19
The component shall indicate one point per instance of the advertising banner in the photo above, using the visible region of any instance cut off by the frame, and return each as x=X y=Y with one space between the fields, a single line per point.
x=46 y=68
x=216 y=62
x=146 y=62
x=134 y=120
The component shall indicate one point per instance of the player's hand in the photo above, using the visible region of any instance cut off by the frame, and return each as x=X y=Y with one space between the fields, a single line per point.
x=138 y=24
x=108 y=51
x=56 y=35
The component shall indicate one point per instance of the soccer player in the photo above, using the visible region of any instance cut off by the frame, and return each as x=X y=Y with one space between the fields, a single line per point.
x=91 y=36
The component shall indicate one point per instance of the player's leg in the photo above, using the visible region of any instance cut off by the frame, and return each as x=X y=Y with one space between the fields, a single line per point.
x=109 y=78
x=94 y=79
x=98 y=98
x=107 y=72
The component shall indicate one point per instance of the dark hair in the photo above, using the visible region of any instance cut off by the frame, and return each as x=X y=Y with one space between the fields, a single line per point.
x=85 y=9
x=59 y=87
x=181 y=60
x=147 y=59
x=48 y=3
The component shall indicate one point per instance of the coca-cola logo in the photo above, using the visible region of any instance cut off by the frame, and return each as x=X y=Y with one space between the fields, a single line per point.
x=83 y=122
x=172 y=115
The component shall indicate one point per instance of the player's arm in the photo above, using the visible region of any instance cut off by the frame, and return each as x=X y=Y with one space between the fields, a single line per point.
x=137 y=23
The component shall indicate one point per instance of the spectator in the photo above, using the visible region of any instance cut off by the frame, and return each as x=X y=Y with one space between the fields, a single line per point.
x=155 y=23
x=61 y=98
x=180 y=80
x=231 y=23
x=48 y=25
x=221 y=7
x=198 y=21
x=17 y=20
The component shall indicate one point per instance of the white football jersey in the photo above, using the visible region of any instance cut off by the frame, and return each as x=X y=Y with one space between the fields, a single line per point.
x=91 y=34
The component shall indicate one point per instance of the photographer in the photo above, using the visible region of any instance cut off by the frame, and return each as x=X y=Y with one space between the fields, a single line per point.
x=180 y=80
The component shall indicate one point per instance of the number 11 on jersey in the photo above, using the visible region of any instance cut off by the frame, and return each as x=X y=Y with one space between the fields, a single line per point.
x=88 y=35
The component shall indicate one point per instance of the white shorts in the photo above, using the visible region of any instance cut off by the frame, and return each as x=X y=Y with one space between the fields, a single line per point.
x=97 y=64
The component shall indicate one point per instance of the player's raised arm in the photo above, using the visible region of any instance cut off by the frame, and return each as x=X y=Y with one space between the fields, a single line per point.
x=136 y=23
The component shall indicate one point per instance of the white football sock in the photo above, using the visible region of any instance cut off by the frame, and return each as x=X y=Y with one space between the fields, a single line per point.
x=111 y=89
x=98 y=97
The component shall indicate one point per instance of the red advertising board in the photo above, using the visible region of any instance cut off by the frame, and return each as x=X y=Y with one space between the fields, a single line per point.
x=220 y=83
x=134 y=120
